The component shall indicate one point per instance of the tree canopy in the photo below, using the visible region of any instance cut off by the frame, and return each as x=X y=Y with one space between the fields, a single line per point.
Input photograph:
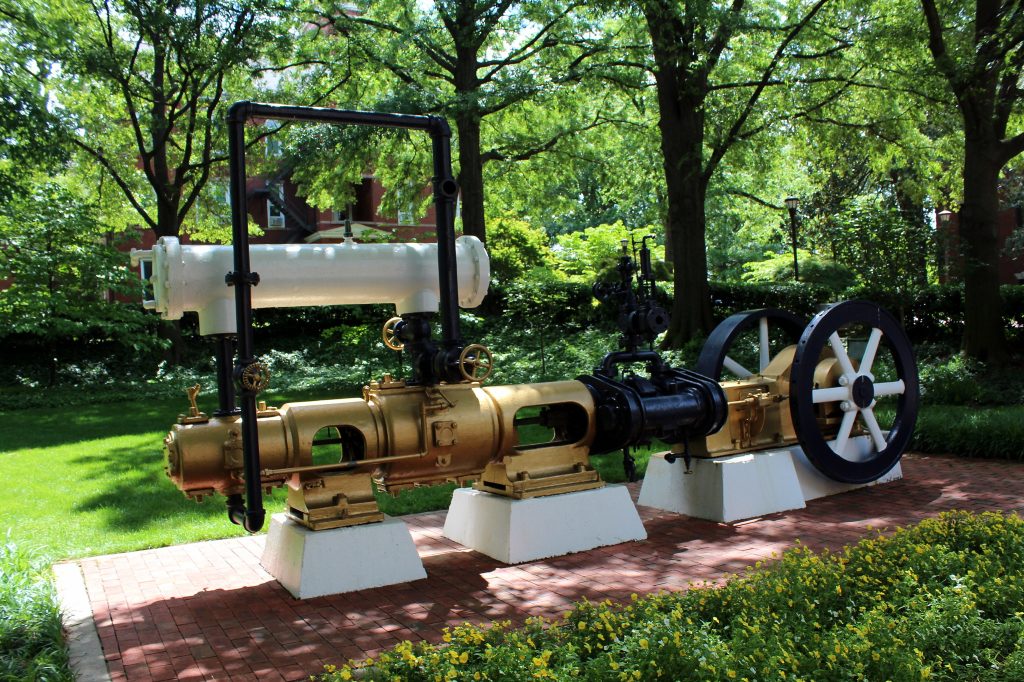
x=691 y=119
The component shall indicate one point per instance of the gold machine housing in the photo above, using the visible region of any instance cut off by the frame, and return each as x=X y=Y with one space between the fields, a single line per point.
x=396 y=436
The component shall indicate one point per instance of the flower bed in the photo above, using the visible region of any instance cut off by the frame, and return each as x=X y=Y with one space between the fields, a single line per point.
x=942 y=600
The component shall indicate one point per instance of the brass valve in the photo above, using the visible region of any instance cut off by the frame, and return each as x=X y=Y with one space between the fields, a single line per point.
x=476 y=363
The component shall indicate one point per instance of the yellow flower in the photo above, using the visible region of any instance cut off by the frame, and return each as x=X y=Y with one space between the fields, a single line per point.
x=582 y=625
x=346 y=675
x=731 y=673
x=644 y=643
x=463 y=657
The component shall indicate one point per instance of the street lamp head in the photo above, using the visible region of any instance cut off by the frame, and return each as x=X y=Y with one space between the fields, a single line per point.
x=792 y=203
x=944 y=216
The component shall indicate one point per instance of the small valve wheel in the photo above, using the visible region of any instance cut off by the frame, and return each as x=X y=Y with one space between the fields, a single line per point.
x=388 y=334
x=255 y=377
x=476 y=363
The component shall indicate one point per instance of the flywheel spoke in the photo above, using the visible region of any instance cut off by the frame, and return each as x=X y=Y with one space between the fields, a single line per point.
x=762 y=331
x=736 y=368
x=830 y=395
x=870 y=350
x=840 y=352
x=868 y=415
x=890 y=388
x=845 y=428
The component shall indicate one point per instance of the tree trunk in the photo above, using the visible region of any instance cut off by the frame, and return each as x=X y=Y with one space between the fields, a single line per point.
x=167 y=224
x=681 y=123
x=984 y=338
x=471 y=175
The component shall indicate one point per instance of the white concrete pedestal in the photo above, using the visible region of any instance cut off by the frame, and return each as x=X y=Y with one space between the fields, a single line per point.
x=316 y=563
x=736 y=487
x=514 y=531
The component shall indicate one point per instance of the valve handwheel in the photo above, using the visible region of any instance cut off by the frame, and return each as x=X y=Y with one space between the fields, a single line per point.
x=728 y=337
x=476 y=363
x=255 y=377
x=858 y=393
x=388 y=334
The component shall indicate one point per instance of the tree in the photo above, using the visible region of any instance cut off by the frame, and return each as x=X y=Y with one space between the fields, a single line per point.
x=143 y=86
x=474 y=60
x=980 y=56
x=713 y=65
x=29 y=132
x=63 y=275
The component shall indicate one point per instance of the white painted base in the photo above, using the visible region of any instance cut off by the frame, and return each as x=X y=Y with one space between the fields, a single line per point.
x=316 y=563
x=724 y=489
x=514 y=531
x=815 y=484
x=736 y=487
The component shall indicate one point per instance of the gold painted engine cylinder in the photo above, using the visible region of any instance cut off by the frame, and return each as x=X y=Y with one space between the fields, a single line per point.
x=401 y=436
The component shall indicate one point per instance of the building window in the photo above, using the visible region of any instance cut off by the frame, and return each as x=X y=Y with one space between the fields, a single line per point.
x=274 y=216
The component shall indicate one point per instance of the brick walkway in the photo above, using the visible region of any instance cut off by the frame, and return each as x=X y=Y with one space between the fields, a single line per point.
x=208 y=611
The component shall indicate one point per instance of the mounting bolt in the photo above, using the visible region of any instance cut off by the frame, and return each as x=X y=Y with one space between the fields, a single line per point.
x=846 y=406
x=844 y=380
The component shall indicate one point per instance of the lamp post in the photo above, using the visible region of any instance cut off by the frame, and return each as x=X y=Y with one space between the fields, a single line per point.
x=792 y=203
x=945 y=243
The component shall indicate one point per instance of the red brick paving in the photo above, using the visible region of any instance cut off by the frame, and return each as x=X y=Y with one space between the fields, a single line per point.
x=207 y=611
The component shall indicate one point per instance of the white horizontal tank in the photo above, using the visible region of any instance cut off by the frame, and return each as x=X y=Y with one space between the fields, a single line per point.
x=192 y=277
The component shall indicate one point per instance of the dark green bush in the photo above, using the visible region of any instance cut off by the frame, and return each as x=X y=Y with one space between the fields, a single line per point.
x=992 y=432
x=937 y=601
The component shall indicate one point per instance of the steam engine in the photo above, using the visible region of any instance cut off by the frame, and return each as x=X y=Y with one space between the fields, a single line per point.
x=442 y=423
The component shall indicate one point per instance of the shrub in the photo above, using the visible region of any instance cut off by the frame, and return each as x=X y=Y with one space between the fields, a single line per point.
x=515 y=247
x=31 y=640
x=814 y=269
x=940 y=600
x=993 y=432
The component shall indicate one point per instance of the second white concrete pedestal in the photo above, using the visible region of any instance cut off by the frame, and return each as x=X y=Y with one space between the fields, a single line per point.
x=514 y=531
x=736 y=487
x=316 y=563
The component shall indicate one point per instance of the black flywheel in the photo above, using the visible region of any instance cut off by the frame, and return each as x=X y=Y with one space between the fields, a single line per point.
x=854 y=392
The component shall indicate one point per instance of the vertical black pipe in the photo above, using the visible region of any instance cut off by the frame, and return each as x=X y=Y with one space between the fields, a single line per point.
x=242 y=279
x=224 y=352
x=445 y=192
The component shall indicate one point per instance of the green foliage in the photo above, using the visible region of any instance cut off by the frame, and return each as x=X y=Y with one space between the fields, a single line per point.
x=814 y=269
x=884 y=247
x=515 y=248
x=31 y=637
x=592 y=253
x=968 y=431
x=938 y=601
x=64 y=273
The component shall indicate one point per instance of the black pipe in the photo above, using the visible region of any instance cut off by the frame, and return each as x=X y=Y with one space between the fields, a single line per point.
x=251 y=514
x=445 y=192
x=224 y=353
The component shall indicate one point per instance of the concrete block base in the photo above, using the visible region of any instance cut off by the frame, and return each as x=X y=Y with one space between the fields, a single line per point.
x=316 y=563
x=815 y=484
x=736 y=487
x=723 y=489
x=514 y=531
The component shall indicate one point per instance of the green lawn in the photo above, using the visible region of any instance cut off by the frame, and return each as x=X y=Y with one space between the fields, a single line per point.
x=89 y=480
